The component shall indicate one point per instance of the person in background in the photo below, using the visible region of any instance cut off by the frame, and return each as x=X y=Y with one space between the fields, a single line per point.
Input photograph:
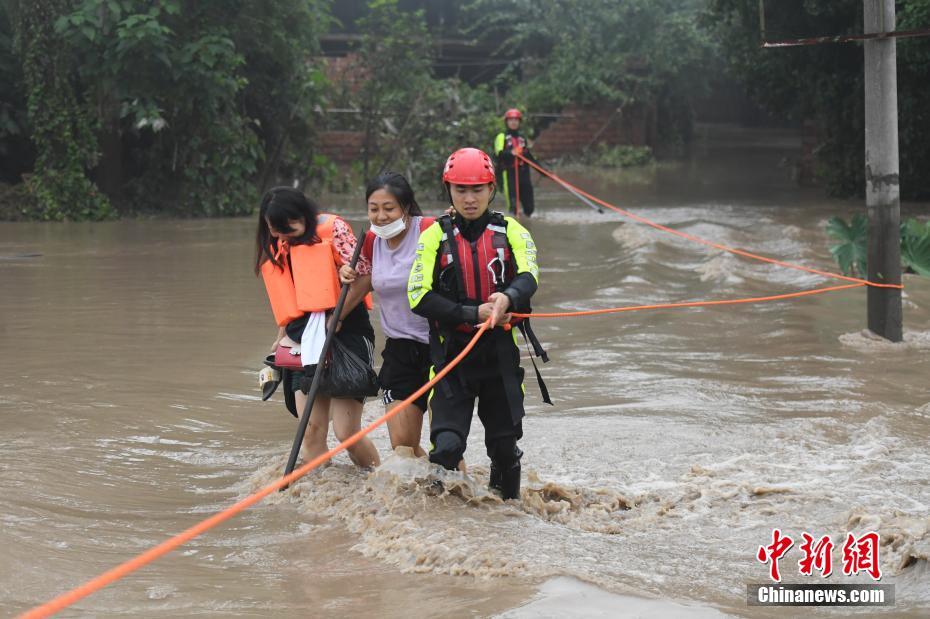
x=514 y=173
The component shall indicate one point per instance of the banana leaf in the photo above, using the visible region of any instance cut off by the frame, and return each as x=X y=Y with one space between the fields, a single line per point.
x=915 y=246
x=850 y=252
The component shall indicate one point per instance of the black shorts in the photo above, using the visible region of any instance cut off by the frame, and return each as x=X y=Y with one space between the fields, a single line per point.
x=357 y=343
x=405 y=369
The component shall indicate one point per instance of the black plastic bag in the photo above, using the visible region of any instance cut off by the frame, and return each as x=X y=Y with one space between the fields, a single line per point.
x=345 y=375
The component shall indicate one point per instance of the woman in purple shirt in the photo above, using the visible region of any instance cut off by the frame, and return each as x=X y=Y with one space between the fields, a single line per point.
x=390 y=245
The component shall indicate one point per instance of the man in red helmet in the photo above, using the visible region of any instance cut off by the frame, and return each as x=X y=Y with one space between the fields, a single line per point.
x=514 y=173
x=471 y=266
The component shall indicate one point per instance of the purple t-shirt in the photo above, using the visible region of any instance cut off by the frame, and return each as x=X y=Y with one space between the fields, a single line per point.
x=390 y=271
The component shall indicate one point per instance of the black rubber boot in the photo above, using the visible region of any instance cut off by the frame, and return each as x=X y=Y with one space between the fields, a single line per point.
x=496 y=482
x=505 y=481
x=510 y=482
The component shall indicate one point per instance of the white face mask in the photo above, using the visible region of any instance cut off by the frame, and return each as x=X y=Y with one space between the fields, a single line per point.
x=390 y=230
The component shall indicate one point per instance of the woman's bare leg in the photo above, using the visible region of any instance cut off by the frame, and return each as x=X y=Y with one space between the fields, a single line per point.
x=347 y=420
x=406 y=427
x=318 y=427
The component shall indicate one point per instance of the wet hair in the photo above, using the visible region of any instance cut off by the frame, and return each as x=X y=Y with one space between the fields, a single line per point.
x=396 y=185
x=280 y=206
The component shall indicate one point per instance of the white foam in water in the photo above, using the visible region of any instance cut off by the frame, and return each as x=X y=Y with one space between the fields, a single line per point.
x=567 y=598
x=721 y=268
x=867 y=341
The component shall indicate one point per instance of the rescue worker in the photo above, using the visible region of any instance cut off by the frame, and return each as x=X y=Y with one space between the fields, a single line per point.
x=514 y=173
x=298 y=251
x=469 y=267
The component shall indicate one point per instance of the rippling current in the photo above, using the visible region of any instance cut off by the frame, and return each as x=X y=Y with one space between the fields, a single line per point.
x=679 y=438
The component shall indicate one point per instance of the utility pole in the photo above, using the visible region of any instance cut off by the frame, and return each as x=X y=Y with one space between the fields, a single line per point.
x=882 y=189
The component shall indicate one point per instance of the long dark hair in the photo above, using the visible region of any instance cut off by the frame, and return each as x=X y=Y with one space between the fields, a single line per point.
x=396 y=185
x=280 y=206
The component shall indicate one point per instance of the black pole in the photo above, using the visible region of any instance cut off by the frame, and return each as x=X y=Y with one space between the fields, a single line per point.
x=315 y=384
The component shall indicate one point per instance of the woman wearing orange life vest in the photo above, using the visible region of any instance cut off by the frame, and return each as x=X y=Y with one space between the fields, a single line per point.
x=298 y=253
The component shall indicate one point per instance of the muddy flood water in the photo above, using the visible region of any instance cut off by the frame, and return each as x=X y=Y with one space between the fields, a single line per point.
x=679 y=438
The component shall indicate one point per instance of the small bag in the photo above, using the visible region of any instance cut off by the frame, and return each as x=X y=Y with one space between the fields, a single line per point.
x=345 y=375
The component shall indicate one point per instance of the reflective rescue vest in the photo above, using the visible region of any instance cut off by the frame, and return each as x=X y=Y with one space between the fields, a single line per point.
x=470 y=272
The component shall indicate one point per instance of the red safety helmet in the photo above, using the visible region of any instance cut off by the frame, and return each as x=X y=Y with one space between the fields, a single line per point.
x=513 y=113
x=468 y=166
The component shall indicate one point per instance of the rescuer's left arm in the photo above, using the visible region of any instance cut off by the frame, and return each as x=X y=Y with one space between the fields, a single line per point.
x=523 y=286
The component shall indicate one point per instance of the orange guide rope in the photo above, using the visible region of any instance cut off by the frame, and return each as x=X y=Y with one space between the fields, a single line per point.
x=634 y=308
x=690 y=237
x=95 y=584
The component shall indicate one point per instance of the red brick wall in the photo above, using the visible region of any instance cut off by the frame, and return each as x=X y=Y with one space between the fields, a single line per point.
x=345 y=71
x=578 y=127
x=343 y=147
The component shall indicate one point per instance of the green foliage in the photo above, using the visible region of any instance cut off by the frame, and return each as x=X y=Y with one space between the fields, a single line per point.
x=410 y=119
x=168 y=84
x=825 y=82
x=618 y=156
x=601 y=52
x=915 y=246
x=16 y=153
x=850 y=251
x=16 y=203
x=63 y=136
x=172 y=106
x=394 y=44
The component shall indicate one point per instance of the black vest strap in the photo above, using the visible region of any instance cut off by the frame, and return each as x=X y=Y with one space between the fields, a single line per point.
x=450 y=246
x=439 y=355
x=530 y=338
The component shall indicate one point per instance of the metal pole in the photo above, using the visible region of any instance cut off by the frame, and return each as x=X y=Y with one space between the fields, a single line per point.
x=882 y=190
x=315 y=383
x=762 y=21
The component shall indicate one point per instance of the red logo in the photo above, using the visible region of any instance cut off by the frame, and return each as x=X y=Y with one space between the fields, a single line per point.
x=817 y=556
x=774 y=552
x=859 y=554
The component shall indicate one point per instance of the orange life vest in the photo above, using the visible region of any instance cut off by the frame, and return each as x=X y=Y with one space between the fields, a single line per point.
x=308 y=280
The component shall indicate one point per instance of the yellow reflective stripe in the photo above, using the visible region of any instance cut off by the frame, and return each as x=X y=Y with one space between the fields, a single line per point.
x=424 y=263
x=499 y=143
x=523 y=248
